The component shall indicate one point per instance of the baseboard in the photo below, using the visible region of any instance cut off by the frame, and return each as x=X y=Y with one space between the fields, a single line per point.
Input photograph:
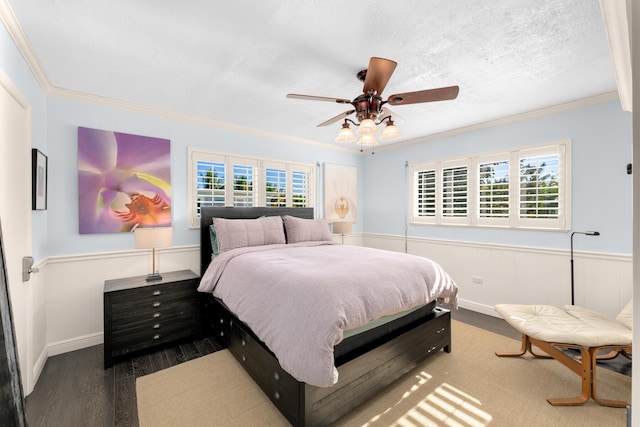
x=38 y=367
x=477 y=307
x=75 y=344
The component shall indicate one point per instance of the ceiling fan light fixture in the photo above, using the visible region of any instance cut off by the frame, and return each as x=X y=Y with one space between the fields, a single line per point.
x=390 y=132
x=367 y=141
x=345 y=134
x=367 y=127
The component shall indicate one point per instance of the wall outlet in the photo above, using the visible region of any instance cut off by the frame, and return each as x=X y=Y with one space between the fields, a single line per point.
x=477 y=280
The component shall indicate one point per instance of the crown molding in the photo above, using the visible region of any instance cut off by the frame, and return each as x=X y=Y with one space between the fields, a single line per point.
x=18 y=36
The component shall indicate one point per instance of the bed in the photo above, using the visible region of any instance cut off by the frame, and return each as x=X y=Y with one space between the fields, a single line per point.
x=365 y=362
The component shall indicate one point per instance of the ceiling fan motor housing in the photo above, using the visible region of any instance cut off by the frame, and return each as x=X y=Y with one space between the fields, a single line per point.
x=368 y=106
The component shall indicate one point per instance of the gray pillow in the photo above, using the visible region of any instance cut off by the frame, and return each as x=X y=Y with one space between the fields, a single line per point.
x=240 y=233
x=306 y=230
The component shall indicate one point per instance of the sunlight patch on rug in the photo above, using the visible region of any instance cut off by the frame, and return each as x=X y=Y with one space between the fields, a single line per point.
x=445 y=406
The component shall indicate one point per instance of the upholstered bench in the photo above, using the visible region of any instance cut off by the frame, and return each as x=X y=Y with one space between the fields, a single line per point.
x=552 y=330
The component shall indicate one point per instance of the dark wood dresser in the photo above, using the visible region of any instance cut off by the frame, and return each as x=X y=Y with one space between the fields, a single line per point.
x=139 y=315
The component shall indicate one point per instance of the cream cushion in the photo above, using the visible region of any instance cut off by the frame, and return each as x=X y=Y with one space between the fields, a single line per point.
x=554 y=325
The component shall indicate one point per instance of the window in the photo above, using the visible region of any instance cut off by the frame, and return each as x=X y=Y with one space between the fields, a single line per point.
x=222 y=180
x=523 y=188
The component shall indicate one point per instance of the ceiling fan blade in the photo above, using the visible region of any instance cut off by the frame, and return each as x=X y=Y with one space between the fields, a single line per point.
x=319 y=98
x=337 y=118
x=378 y=74
x=429 y=95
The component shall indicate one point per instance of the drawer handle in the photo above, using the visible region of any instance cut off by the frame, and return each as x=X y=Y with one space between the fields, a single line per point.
x=156 y=326
x=156 y=293
x=156 y=314
x=276 y=376
x=157 y=304
x=221 y=320
x=276 y=395
x=157 y=336
x=244 y=343
x=439 y=331
x=221 y=334
x=244 y=358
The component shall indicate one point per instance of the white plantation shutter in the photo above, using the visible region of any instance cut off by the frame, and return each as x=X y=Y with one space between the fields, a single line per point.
x=221 y=180
x=542 y=200
x=275 y=187
x=426 y=193
x=301 y=185
x=288 y=184
x=523 y=188
x=423 y=209
x=454 y=191
x=493 y=190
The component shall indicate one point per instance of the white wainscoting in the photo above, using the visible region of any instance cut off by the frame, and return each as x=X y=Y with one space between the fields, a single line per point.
x=75 y=287
x=492 y=274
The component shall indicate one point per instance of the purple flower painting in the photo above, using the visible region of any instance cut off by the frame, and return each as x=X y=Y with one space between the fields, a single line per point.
x=124 y=181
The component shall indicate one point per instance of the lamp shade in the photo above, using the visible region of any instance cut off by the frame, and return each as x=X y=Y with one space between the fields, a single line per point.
x=345 y=135
x=367 y=127
x=342 y=227
x=153 y=238
x=367 y=141
x=390 y=133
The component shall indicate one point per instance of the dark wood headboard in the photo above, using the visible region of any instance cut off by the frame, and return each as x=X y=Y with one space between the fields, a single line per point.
x=206 y=219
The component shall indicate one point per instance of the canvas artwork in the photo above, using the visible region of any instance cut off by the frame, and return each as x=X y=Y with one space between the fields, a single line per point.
x=124 y=181
x=340 y=193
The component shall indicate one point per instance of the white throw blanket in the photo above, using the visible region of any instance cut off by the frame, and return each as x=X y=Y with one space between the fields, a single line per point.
x=299 y=298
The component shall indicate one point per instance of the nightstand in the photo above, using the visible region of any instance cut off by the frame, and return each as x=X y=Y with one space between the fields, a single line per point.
x=139 y=315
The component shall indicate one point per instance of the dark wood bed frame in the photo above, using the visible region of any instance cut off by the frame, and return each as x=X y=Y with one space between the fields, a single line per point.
x=363 y=371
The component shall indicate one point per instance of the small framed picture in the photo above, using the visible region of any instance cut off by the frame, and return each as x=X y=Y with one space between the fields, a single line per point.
x=38 y=180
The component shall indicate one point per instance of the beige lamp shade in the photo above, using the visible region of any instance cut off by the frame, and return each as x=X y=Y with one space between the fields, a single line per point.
x=153 y=238
x=342 y=227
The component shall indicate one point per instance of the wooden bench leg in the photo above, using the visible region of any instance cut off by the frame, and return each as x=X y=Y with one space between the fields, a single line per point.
x=586 y=368
x=526 y=347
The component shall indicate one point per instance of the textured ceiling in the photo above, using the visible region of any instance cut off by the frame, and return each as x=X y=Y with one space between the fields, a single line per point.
x=234 y=62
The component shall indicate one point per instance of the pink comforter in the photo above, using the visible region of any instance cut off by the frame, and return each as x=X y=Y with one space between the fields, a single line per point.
x=299 y=298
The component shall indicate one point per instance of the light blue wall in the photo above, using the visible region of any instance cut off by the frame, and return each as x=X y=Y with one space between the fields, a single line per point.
x=65 y=115
x=601 y=137
x=14 y=66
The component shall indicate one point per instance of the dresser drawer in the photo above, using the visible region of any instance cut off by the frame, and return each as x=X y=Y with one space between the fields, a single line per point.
x=150 y=340
x=131 y=311
x=167 y=292
x=165 y=315
x=150 y=334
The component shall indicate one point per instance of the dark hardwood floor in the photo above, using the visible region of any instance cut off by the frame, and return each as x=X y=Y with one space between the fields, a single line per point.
x=75 y=390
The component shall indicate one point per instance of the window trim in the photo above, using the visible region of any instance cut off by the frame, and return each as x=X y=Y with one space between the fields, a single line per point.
x=513 y=156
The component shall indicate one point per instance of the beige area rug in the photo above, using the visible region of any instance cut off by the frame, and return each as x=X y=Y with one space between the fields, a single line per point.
x=468 y=387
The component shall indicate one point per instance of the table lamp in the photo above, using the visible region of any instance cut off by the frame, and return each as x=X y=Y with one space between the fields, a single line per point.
x=342 y=228
x=153 y=238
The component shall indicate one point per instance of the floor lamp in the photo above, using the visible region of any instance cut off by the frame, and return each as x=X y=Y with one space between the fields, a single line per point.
x=586 y=233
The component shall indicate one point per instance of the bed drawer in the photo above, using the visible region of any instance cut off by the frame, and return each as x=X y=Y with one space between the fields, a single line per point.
x=277 y=384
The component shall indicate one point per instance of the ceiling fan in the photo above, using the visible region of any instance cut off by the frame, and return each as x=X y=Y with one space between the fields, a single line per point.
x=369 y=107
